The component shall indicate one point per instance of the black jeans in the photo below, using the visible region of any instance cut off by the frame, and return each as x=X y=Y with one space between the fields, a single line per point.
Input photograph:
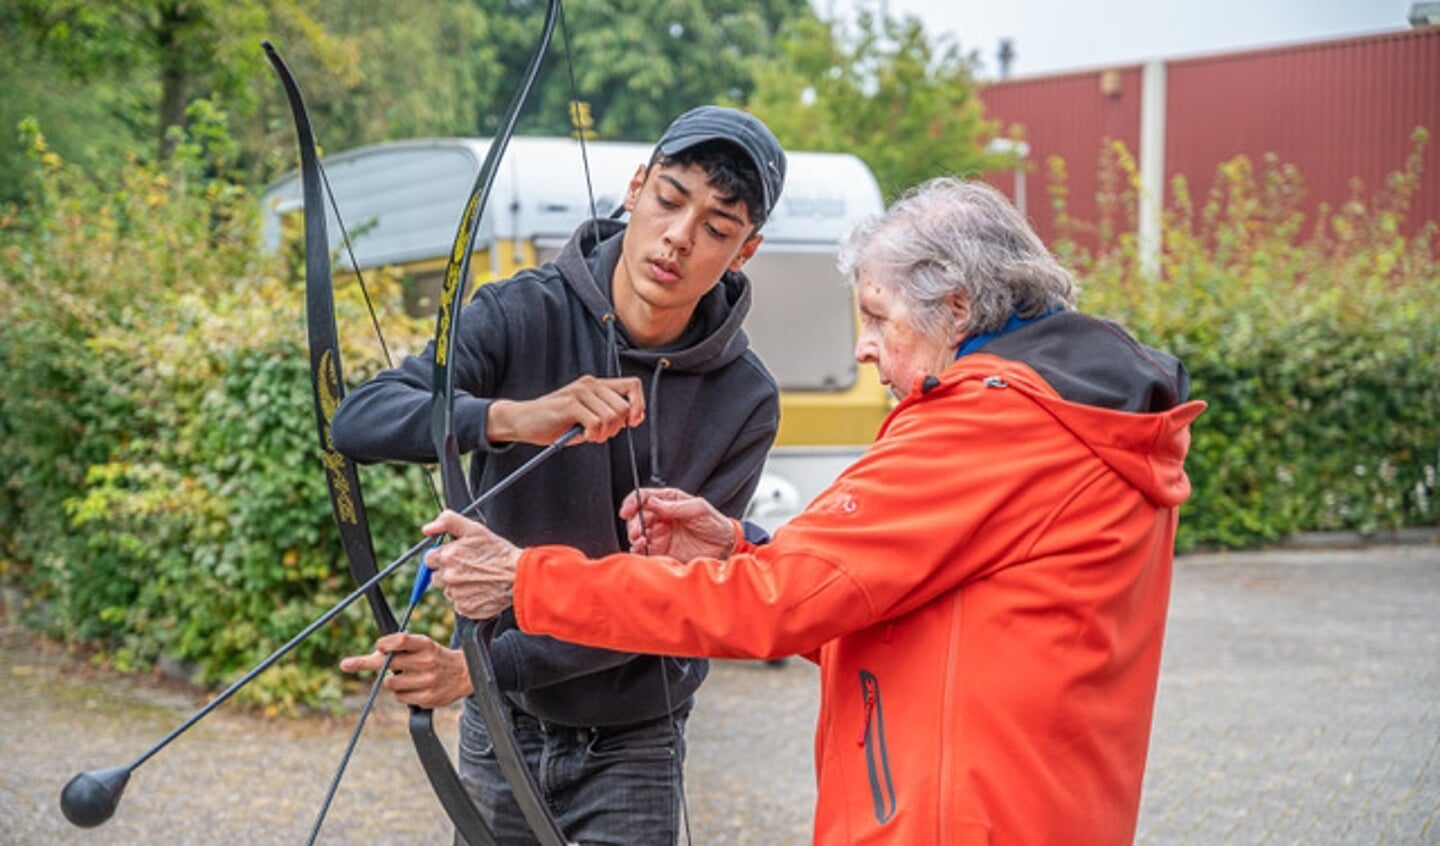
x=619 y=785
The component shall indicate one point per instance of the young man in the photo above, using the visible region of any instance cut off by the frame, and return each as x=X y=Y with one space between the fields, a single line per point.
x=636 y=326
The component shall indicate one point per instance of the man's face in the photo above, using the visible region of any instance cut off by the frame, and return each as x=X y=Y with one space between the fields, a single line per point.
x=889 y=340
x=681 y=238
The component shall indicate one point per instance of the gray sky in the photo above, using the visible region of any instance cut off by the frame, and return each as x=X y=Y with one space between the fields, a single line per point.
x=1058 y=35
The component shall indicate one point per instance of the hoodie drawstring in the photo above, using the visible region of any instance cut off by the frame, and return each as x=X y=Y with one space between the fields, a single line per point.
x=614 y=345
x=653 y=410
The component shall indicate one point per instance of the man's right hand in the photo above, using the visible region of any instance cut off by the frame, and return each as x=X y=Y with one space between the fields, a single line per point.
x=601 y=406
x=422 y=673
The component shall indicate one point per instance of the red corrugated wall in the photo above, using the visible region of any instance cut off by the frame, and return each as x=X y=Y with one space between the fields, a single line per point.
x=1338 y=111
x=1069 y=116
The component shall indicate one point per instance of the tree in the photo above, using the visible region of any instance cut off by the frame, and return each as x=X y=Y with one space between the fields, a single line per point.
x=406 y=75
x=106 y=79
x=79 y=117
x=881 y=90
x=150 y=60
x=638 y=63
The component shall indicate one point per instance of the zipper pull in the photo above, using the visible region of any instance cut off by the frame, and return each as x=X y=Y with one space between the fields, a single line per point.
x=869 y=712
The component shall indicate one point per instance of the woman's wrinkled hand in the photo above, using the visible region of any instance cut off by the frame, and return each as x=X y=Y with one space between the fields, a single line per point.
x=666 y=521
x=475 y=569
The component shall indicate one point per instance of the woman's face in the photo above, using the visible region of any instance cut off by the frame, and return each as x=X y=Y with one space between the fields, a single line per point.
x=889 y=340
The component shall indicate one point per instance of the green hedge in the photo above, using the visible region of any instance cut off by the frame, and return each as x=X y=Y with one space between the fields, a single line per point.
x=162 y=491
x=1313 y=339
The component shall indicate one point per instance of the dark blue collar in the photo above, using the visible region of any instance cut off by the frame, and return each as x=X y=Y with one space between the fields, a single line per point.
x=975 y=342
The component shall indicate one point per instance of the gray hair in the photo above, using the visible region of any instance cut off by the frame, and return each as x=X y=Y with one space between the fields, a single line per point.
x=950 y=235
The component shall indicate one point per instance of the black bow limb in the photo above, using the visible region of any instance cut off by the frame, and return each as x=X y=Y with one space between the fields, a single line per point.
x=341 y=476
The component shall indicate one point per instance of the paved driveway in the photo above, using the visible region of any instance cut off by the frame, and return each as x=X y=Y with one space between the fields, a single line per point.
x=1299 y=701
x=1299 y=704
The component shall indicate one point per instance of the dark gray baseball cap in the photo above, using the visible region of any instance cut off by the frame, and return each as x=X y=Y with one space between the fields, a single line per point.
x=716 y=123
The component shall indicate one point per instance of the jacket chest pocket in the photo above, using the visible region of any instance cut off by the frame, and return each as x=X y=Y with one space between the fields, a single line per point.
x=872 y=740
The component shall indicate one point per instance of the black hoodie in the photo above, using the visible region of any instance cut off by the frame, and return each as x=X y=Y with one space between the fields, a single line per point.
x=712 y=411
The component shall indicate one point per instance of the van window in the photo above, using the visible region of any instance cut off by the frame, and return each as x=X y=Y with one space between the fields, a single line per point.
x=801 y=321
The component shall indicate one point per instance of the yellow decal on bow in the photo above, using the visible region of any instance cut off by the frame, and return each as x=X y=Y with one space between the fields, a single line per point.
x=452 y=281
x=327 y=390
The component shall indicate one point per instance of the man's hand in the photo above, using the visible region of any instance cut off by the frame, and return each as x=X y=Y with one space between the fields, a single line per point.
x=422 y=673
x=666 y=521
x=476 y=568
x=601 y=406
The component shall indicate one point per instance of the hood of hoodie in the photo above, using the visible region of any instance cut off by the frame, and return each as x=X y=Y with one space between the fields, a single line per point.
x=1127 y=402
x=714 y=337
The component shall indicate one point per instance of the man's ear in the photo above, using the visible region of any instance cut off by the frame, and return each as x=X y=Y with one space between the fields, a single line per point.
x=747 y=250
x=632 y=194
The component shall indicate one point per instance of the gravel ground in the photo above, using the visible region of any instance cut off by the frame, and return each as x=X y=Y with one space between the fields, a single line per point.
x=237 y=778
x=1299 y=703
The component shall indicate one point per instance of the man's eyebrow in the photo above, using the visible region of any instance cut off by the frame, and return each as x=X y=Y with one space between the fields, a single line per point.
x=674 y=183
x=719 y=210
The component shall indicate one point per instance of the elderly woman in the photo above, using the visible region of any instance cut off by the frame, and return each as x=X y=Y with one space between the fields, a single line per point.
x=985 y=590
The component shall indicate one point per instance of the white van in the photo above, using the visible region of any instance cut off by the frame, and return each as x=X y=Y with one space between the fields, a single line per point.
x=402 y=202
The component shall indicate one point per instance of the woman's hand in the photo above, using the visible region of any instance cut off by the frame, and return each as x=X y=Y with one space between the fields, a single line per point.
x=666 y=521
x=476 y=568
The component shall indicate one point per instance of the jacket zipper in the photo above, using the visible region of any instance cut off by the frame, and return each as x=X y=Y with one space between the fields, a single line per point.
x=877 y=758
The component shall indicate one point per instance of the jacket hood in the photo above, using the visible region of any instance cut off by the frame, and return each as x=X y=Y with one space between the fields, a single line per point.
x=1148 y=450
x=1126 y=401
x=714 y=337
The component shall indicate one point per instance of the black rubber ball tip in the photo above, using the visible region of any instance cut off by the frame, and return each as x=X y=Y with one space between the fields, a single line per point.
x=91 y=797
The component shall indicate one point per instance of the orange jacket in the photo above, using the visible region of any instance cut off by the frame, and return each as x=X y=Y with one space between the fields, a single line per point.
x=986 y=588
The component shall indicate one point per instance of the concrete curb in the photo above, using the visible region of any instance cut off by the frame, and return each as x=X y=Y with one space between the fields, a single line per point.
x=1412 y=536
